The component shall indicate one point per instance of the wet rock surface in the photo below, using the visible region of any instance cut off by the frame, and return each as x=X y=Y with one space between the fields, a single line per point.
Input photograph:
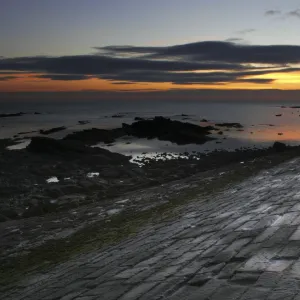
x=161 y=128
x=95 y=135
x=168 y=130
x=51 y=176
x=278 y=146
x=52 y=130
x=19 y=114
x=230 y=125
x=25 y=191
x=242 y=243
x=83 y=122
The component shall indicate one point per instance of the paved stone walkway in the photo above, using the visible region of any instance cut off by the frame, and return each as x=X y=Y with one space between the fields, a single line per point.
x=243 y=244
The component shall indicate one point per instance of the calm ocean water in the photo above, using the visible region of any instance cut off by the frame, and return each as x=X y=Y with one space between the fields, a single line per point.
x=256 y=117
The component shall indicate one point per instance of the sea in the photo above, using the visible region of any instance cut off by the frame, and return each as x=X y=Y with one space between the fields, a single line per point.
x=264 y=122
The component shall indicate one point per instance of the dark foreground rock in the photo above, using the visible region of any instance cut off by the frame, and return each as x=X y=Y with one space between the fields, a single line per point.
x=167 y=130
x=181 y=133
x=86 y=175
x=230 y=125
x=43 y=145
x=52 y=130
x=95 y=135
x=118 y=116
x=279 y=147
x=26 y=132
x=83 y=122
x=82 y=175
x=19 y=114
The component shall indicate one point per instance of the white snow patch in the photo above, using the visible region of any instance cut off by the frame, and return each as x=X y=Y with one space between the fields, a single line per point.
x=19 y=146
x=52 y=179
x=122 y=201
x=113 y=211
x=92 y=174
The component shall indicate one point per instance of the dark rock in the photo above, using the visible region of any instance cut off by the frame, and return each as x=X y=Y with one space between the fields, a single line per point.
x=90 y=185
x=118 y=116
x=71 y=149
x=159 y=127
x=54 y=191
x=9 y=213
x=33 y=211
x=19 y=114
x=26 y=132
x=70 y=189
x=52 y=146
x=220 y=132
x=69 y=201
x=37 y=113
x=167 y=130
x=278 y=115
x=111 y=173
x=95 y=135
x=3 y=218
x=138 y=119
x=83 y=122
x=40 y=209
x=231 y=125
x=279 y=147
x=52 y=130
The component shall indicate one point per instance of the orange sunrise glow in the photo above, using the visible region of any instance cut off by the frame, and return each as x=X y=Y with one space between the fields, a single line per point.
x=29 y=83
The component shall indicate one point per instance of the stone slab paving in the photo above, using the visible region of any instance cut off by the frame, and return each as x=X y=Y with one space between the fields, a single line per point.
x=244 y=244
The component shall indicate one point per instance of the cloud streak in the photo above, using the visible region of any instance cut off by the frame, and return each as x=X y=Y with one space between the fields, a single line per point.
x=291 y=14
x=272 y=12
x=246 y=31
x=218 y=51
x=6 y=78
x=208 y=62
x=63 y=77
x=294 y=13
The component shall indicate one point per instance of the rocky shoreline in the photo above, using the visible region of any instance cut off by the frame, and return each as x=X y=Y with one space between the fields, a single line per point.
x=60 y=193
x=35 y=243
x=50 y=176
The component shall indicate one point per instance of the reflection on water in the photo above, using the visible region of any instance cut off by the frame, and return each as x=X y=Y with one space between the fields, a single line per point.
x=140 y=149
x=264 y=133
x=21 y=145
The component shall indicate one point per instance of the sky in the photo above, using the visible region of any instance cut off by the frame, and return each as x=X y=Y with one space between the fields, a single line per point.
x=146 y=46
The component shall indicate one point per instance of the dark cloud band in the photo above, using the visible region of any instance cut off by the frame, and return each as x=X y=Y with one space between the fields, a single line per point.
x=218 y=62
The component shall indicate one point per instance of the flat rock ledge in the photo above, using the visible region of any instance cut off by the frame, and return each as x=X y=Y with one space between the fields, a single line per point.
x=243 y=244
